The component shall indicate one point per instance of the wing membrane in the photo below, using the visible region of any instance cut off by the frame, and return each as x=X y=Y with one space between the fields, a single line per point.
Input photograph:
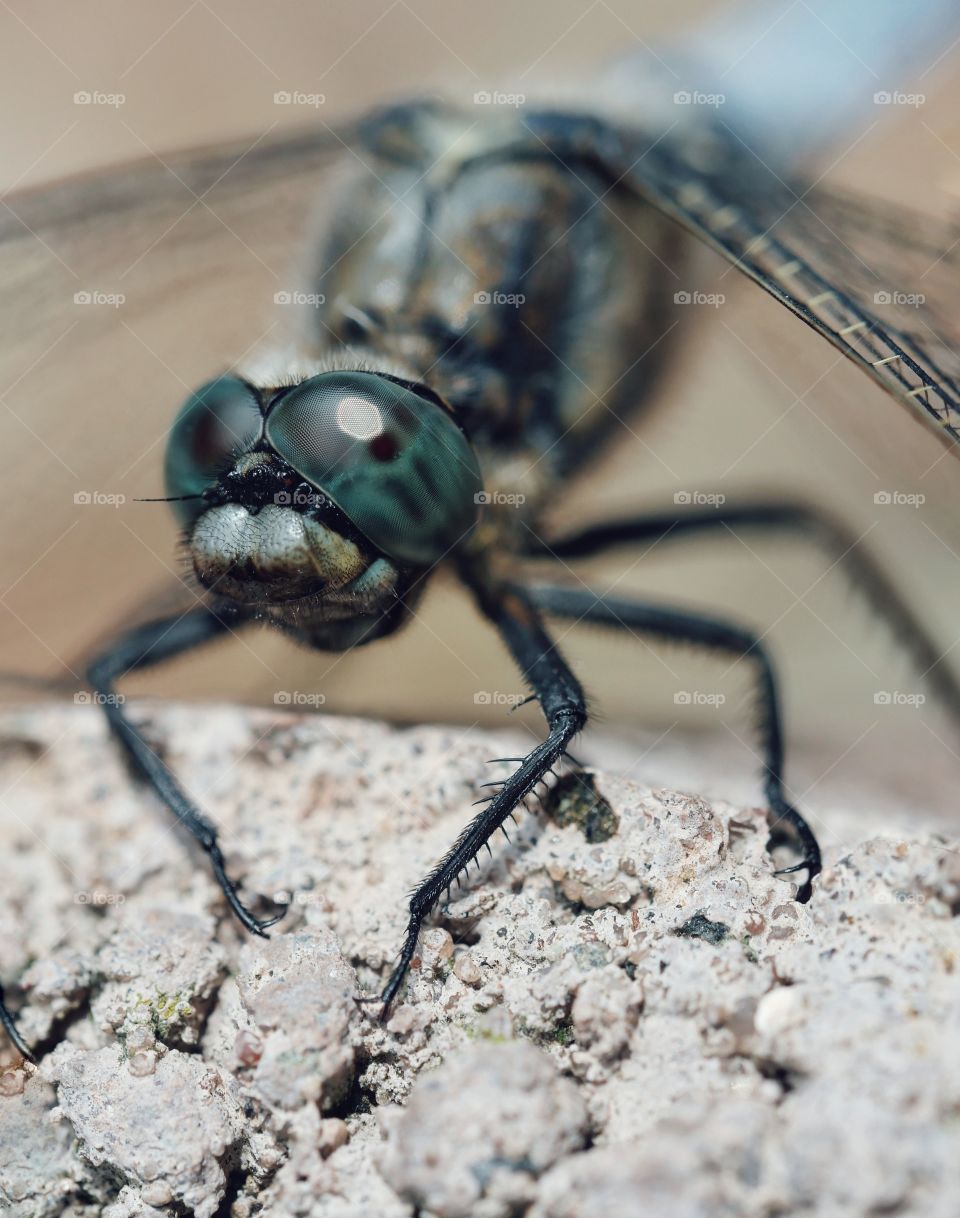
x=877 y=282
x=197 y=246
x=873 y=280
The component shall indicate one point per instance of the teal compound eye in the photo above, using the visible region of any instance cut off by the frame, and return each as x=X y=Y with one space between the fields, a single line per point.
x=395 y=463
x=217 y=422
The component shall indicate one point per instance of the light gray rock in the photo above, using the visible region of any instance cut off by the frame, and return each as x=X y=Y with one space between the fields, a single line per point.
x=300 y=996
x=159 y=968
x=696 y=1168
x=477 y=1132
x=37 y=1175
x=622 y=1012
x=166 y=1121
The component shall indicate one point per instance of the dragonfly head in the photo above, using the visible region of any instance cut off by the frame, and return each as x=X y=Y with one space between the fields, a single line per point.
x=323 y=499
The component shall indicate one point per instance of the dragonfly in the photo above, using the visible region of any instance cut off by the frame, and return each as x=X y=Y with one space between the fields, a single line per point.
x=486 y=307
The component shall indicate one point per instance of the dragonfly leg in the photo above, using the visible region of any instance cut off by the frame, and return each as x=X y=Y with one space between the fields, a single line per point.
x=564 y=707
x=639 y=617
x=10 y=1027
x=144 y=647
x=776 y=517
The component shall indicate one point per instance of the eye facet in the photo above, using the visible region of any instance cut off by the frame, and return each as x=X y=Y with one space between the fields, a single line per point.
x=220 y=419
x=395 y=463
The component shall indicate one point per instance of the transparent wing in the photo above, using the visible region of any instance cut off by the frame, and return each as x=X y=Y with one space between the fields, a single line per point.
x=877 y=282
x=119 y=293
x=154 y=227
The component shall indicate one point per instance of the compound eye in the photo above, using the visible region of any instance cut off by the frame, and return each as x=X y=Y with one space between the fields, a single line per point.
x=216 y=423
x=395 y=463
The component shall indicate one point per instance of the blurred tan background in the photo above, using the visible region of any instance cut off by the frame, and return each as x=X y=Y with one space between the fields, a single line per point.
x=196 y=72
x=754 y=402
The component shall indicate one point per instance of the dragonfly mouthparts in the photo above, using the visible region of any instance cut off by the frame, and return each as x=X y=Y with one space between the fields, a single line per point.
x=261 y=554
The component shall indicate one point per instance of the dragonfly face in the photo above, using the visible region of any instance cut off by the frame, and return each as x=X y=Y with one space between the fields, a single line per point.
x=316 y=505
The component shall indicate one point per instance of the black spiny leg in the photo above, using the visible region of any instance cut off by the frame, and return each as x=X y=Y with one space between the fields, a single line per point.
x=564 y=707
x=142 y=648
x=676 y=624
x=774 y=517
x=8 y=1025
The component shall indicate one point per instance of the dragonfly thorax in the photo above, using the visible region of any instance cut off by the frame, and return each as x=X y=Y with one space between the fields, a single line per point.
x=525 y=290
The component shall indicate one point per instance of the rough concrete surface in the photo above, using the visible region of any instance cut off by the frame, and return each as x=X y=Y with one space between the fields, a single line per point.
x=622 y=1013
